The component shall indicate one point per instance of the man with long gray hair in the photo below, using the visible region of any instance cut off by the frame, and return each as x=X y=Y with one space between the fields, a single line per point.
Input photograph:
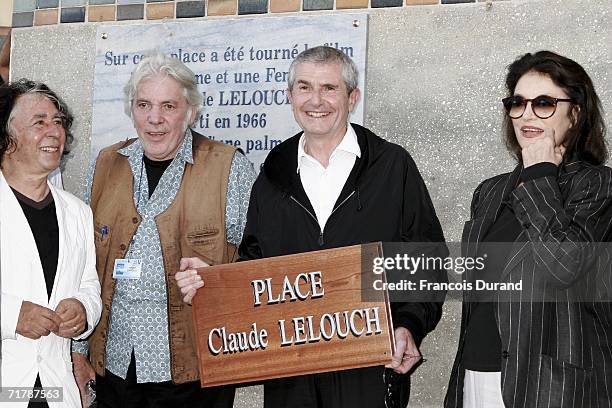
x=338 y=184
x=168 y=194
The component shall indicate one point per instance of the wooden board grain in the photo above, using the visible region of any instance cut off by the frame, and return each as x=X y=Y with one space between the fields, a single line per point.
x=227 y=301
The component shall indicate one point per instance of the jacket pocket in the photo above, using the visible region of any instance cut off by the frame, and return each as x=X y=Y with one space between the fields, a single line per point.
x=562 y=384
x=203 y=242
x=202 y=236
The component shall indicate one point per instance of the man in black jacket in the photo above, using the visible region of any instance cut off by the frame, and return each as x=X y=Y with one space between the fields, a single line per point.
x=336 y=185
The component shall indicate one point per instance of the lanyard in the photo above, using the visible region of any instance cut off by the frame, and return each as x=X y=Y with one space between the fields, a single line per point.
x=139 y=182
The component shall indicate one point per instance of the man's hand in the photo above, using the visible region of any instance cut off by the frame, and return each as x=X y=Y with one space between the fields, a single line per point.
x=83 y=372
x=36 y=321
x=543 y=149
x=406 y=353
x=74 y=318
x=188 y=279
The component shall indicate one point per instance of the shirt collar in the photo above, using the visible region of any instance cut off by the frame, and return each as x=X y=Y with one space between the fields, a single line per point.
x=185 y=151
x=348 y=144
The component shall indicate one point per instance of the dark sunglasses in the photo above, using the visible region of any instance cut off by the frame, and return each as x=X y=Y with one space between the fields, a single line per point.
x=543 y=106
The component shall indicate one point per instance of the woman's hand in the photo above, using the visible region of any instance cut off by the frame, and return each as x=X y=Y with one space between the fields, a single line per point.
x=543 y=149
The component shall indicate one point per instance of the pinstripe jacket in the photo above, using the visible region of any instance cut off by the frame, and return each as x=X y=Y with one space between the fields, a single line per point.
x=558 y=352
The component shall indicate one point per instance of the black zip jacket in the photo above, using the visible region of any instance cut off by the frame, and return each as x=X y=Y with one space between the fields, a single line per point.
x=383 y=199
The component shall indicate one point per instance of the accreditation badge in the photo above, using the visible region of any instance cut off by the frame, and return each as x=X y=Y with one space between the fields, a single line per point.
x=127 y=268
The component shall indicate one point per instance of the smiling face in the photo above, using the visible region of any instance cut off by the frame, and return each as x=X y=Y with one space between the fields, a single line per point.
x=161 y=116
x=320 y=101
x=37 y=128
x=529 y=127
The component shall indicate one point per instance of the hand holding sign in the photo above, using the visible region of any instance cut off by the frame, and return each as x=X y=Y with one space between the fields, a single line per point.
x=406 y=352
x=188 y=279
x=277 y=317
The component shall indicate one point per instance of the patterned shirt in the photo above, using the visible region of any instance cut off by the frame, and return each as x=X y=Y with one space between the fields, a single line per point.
x=139 y=316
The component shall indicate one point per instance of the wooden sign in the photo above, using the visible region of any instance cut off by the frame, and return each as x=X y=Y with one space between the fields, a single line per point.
x=290 y=315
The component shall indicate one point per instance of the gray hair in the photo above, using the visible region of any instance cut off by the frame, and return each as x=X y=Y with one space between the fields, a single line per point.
x=156 y=63
x=327 y=55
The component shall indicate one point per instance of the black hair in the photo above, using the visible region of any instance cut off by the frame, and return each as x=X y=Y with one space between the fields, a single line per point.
x=586 y=138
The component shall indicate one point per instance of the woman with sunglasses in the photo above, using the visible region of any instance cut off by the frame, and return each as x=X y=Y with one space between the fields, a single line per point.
x=532 y=344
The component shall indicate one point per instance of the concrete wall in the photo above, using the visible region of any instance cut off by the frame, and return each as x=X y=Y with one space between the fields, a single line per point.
x=434 y=83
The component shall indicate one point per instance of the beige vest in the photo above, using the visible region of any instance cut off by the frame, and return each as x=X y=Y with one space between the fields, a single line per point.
x=193 y=225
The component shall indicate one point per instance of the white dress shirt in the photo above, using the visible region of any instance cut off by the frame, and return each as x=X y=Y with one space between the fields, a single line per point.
x=324 y=185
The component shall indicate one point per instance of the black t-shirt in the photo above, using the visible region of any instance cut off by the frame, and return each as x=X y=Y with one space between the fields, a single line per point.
x=482 y=347
x=42 y=219
x=482 y=344
x=155 y=170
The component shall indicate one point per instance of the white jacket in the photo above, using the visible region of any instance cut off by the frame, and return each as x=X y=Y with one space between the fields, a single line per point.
x=23 y=279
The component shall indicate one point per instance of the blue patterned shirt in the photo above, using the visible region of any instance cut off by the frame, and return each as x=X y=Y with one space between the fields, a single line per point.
x=139 y=316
